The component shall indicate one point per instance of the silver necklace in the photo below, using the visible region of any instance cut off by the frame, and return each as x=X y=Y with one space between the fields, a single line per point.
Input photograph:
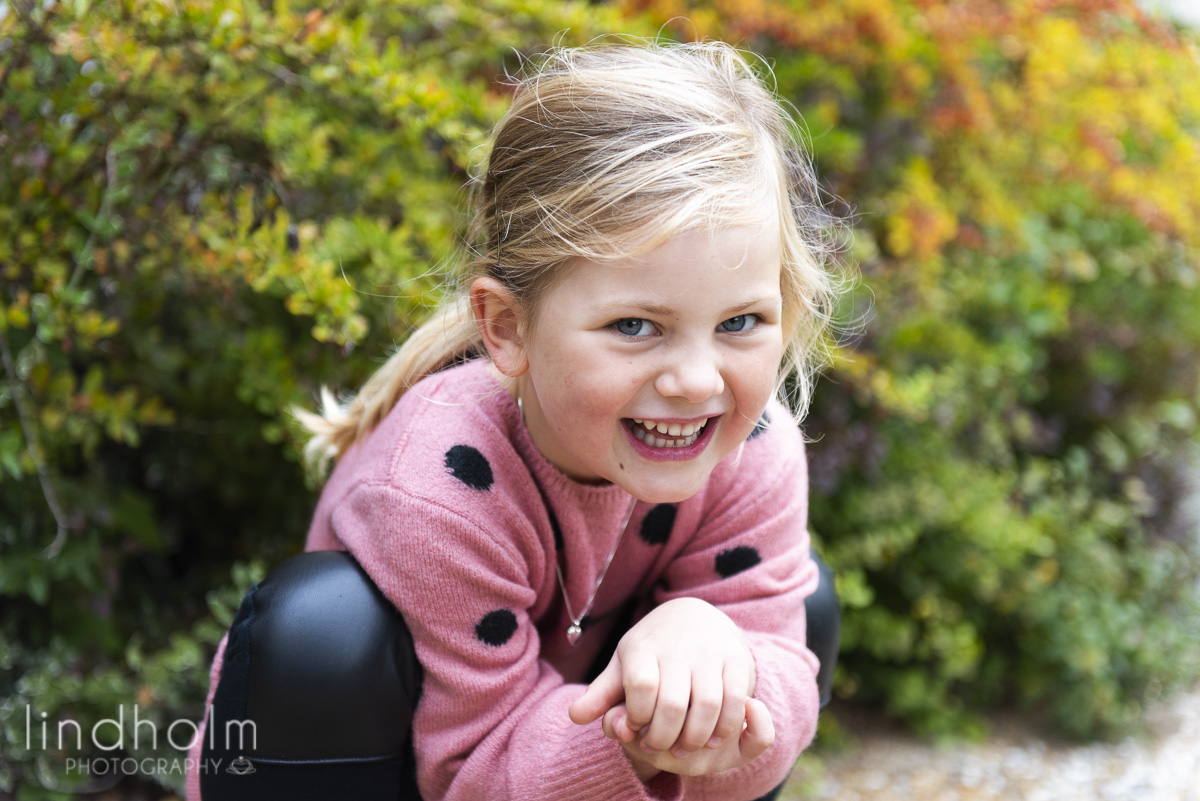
x=575 y=630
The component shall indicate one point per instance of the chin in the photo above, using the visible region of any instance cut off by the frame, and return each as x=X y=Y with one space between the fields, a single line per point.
x=656 y=493
x=678 y=497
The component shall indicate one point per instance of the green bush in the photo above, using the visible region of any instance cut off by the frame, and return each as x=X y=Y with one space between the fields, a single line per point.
x=207 y=209
x=1003 y=454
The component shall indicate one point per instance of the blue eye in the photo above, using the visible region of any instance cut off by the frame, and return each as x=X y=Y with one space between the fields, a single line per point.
x=743 y=322
x=634 y=327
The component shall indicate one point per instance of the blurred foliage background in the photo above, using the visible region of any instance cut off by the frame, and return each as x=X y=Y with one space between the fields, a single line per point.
x=209 y=208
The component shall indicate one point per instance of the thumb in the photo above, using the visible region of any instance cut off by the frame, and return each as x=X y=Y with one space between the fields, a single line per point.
x=759 y=733
x=600 y=696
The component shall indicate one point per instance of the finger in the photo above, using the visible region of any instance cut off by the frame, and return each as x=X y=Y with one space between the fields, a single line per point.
x=615 y=727
x=759 y=732
x=703 y=712
x=640 y=679
x=733 y=705
x=670 y=711
x=600 y=696
x=609 y=718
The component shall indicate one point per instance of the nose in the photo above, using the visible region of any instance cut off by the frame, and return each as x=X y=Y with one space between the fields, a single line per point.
x=693 y=374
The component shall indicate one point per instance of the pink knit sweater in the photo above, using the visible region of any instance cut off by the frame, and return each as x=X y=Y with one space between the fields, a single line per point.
x=445 y=507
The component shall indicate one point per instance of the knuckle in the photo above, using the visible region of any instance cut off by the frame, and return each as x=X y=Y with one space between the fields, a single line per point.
x=659 y=744
x=636 y=718
x=659 y=739
x=707 y=705
x=731 y=715
x=728 y=725
x=640 y=683
x=672 y=708
x=639 y=709
x=724 y=729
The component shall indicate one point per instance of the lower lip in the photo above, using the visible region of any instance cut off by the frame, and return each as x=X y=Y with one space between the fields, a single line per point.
x=673 y=454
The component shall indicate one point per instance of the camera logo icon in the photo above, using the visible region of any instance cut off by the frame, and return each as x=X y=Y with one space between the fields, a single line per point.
x=240 y=767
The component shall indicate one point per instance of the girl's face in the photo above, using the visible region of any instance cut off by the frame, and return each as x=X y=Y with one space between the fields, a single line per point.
x=648 y=371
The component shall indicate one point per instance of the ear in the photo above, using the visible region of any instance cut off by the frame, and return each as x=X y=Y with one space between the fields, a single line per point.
x=500 y=320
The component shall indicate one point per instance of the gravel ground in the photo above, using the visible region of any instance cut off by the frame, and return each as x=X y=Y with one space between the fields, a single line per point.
x=1014 y=764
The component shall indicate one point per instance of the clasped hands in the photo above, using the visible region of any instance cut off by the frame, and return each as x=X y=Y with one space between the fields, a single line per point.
x=677 y=694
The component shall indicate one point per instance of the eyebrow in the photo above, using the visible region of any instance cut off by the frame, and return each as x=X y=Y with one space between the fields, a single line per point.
x=656 y=310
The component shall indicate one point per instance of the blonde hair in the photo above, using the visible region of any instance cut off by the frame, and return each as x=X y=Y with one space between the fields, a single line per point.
x=608 y=151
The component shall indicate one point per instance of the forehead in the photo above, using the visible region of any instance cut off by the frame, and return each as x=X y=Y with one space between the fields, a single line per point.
x=699 y=266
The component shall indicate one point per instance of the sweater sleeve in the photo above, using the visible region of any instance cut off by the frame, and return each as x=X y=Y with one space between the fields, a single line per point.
x=750 y=559
x=492 y=718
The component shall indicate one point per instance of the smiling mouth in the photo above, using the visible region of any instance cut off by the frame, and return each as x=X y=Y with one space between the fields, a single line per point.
x=666 y=435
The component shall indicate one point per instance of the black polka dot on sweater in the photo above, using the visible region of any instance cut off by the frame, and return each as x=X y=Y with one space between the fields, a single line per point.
x=735 y=560
x=497 y=628
x=760 y=426
x=469 y=466
x=656 y=528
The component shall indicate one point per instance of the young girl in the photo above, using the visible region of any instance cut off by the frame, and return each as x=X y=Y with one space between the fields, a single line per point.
x=586 y=446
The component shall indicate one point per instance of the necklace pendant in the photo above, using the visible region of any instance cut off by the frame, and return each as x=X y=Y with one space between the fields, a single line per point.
x=574 y=632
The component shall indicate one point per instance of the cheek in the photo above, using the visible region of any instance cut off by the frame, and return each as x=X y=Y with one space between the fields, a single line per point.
x=764 y=368
x=584 y=402
x=756 y=384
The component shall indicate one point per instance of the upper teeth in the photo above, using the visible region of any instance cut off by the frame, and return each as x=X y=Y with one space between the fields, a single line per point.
x=672 y=429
